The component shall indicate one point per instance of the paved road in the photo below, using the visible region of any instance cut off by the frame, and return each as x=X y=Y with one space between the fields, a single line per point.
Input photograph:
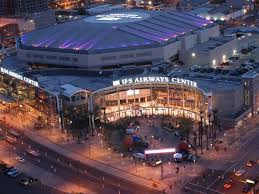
x=11 y=186
x=249 y=151
x=76 y=172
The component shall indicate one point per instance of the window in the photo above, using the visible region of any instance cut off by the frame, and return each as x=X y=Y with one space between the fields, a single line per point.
x=130 y=101
x=75 y=59
x=142 y=99
x=136 y=100
x=38 y=56
x=64 y=58
x=126 y=56
x=51 y=57
x=149 y=98
x=123 y=101
x=146 y=54
x=108 y=58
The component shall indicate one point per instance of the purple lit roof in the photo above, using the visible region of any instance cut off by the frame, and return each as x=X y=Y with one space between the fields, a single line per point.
x=115 y=30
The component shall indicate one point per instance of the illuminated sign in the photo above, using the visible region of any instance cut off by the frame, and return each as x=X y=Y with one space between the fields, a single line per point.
x=160 y=151
x=156 y=79
x=20 y=77
x=117 y=16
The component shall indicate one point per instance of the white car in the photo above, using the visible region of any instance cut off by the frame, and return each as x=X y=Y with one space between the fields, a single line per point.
x=20 y=159
x=139 y=156
x=240 y=172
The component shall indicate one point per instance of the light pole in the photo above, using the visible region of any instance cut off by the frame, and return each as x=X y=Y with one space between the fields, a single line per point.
x=162 y=172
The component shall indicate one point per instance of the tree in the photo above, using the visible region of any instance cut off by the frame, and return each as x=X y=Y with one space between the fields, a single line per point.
x=214 y=123
x=186 y=125
x=201 y=130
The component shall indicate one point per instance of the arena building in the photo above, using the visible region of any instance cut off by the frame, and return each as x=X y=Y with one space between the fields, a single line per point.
x=116 y=38
x=63 y=95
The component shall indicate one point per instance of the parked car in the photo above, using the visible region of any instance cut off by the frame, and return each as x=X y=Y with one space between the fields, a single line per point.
x=24 y=182
x=192 y=158
x=8 y=169
x=250 y=163
x=12 y=171
x=240 y=172
x=139 y=156
x=155 y=163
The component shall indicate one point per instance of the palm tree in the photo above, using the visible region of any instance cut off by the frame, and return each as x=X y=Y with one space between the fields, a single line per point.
x=195 y=141
x=215 y=123
x=201 y=130
x=186 y=125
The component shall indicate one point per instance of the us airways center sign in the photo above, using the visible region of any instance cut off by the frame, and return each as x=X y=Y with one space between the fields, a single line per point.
x=155 y=79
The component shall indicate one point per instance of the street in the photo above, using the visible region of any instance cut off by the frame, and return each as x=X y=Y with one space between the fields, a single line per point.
x=11 y=186
x=212 y=183
x=74 y=171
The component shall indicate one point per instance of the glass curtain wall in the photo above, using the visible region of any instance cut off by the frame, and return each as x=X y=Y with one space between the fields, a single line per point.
x=155 y=99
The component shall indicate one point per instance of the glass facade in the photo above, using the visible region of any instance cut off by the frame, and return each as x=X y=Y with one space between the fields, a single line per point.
x=39 y=102
x=150 y=99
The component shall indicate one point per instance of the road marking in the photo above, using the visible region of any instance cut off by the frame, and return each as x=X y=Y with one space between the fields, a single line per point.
x=188 y=188
x=228 y=170
x=205 y=188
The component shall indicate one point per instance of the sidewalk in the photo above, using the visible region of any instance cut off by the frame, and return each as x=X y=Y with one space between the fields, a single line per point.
x=89 y=162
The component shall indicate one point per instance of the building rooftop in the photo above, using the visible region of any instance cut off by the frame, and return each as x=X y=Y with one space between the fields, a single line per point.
x=212 y=43
x=122 y=30
x=92 y=81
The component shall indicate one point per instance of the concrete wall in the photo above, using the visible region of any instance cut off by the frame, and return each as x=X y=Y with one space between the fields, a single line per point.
x=205 y=57
x=228 y=102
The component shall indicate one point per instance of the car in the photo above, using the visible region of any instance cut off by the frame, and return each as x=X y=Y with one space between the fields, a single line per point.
x=192 y=158
x=225 y=64
x=228 y=184
x=224 y=72
x=24 y=182
x=155 y=163
x=8 y=169
x=219 y=141
x=31 y=179
x=217 y=71
x=250 y=163
x=20 y=159
x=143 y=144
x=12 y=171
x=240 y=172
x=139 y=156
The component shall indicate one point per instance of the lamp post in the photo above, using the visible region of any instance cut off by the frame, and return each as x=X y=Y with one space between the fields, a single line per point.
x=162 y=171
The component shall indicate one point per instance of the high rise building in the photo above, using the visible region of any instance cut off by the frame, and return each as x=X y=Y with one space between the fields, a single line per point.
x=31 y=6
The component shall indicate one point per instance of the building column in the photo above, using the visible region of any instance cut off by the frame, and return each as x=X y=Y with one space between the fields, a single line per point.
x=168 y=99
x=151 y=98
x=118 y=96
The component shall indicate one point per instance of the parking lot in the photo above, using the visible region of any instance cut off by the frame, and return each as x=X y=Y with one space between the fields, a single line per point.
x=234 y=66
